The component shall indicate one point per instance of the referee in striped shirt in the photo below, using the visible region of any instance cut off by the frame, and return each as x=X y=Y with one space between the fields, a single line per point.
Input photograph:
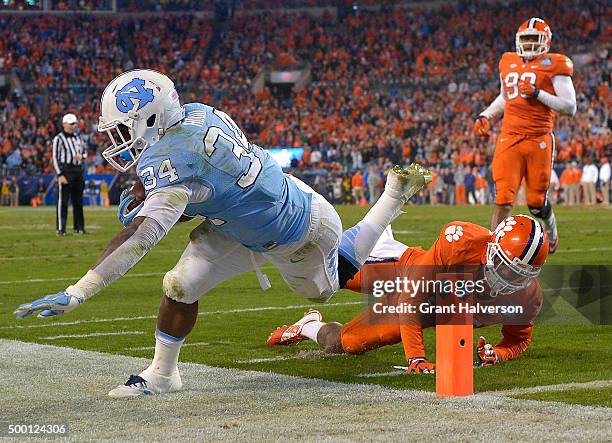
x=68 y=154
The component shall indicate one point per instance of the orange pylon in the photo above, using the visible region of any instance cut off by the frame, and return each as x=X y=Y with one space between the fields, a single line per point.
x=454 y=361
x=454 y=343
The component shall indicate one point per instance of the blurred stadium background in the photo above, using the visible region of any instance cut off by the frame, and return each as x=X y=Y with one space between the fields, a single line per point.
x=334 y=86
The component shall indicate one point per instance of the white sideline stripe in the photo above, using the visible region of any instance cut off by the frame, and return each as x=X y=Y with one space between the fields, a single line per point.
x=149 y=317
x=559 y=387
x=227 y=404
x=93 y=334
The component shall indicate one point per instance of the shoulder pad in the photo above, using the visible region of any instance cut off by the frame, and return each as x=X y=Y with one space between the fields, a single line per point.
x=562 y=64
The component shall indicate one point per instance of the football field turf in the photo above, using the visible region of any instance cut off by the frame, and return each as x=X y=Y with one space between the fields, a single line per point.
x=236 y=318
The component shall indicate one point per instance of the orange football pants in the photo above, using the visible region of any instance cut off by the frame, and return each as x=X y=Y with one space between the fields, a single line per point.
x=522 y=156
x=371 y=330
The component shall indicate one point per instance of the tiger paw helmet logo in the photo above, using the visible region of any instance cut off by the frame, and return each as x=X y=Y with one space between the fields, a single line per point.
x=505 y=226
x=453 y=233
x=132 y=91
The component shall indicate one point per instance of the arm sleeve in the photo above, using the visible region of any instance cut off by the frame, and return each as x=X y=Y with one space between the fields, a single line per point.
x=166 y=205
x=56 y=163
x=148 y=234
x=163 y=209
x=564 y=99
x=514 y=341
x=497 y=106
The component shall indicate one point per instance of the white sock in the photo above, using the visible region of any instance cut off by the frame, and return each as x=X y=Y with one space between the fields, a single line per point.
x=311 y=330
x=550 y=224
x=373 y=225
x=167 y=349
x=384 y=211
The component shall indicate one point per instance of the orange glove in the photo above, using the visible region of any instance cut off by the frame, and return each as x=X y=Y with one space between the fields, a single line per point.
x=486 y=353
x=482 y=126
x=527 y=89
x=418 y=365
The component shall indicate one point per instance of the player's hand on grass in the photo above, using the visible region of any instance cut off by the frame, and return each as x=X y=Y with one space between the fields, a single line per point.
x=49 y=306
x=418 y=365
x=124 y=214
x=486 y=353
x=482 y=126
x=527 y=89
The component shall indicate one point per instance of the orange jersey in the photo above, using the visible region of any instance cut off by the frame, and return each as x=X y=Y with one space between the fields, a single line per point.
x=459 y=243
x=529 y=116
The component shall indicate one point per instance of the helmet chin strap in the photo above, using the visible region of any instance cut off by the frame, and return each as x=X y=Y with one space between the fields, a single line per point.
x=161 y=124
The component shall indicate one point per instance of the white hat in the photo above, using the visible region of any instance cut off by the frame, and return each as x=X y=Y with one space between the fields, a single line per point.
x=69 y=119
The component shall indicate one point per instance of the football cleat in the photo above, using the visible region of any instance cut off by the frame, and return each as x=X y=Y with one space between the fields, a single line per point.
x=147 y=384
x=292 y=335
x=404 y=183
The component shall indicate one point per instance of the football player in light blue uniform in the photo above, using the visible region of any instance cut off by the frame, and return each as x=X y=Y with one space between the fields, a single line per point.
x=195 y=160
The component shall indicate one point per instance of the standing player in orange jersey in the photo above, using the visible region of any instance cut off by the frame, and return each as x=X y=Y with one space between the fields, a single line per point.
x=535 y=85
x=512 y=255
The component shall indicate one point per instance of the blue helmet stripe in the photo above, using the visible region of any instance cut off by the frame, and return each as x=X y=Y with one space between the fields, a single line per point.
x=535 y=253
x=528 y=246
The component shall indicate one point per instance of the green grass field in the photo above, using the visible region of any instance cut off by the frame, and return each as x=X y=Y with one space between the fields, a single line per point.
x=236 y=318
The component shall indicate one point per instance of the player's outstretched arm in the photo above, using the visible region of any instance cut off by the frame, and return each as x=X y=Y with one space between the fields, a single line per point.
x=62 y=302
x=122 y=253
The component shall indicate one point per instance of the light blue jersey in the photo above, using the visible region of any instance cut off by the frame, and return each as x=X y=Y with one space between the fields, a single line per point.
x=251 y=201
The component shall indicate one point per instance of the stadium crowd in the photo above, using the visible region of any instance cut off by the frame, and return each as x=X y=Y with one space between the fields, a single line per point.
x=388 y=86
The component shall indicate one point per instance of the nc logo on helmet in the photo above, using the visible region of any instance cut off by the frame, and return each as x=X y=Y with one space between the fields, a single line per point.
x=134 y=90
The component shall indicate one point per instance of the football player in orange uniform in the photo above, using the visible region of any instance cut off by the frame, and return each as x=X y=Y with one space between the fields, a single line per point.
x=535 y=85
x=512 y=256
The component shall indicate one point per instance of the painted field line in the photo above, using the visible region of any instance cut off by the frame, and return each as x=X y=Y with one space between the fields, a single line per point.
x=310 y=354
x=93 y=334
x=92 y=254
x=382 y=374
x=558 y=387
x=43 y=280
x=269 y=359
x=185 y=345
x=129 y=275
x=41 y=226
x=568 y=251
x=150 y=317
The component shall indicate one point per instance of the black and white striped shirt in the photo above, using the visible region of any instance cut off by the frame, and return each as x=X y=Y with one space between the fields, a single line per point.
x=68 y=152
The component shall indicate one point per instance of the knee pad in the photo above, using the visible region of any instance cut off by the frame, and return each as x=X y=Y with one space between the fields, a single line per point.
x=175 y=289
x=314 y=293
x=543 y=212
x=351 y=343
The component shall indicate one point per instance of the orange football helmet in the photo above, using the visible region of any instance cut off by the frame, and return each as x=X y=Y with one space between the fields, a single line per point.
x=515 y=254
x=533 y=38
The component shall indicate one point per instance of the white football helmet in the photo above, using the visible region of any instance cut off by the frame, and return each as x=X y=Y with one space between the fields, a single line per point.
x=136 y=109
x=533 y=38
